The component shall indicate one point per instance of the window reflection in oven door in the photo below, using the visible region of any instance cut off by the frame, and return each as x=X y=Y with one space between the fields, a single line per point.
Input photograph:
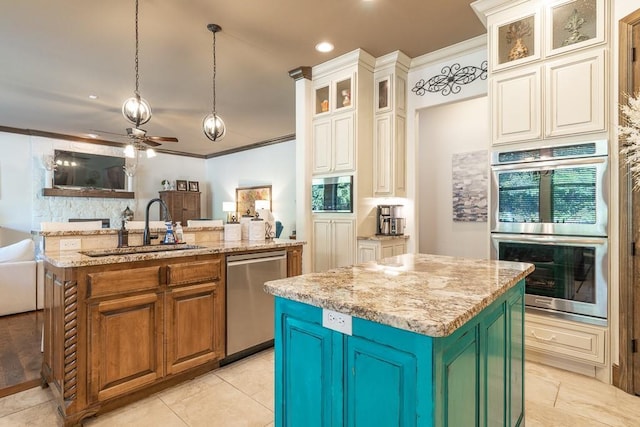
x=570 y=275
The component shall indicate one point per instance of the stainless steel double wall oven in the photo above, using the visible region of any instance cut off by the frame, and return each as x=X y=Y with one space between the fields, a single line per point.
x=550 y=208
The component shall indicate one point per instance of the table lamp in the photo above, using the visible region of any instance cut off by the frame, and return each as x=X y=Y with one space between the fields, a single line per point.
x=230 y=209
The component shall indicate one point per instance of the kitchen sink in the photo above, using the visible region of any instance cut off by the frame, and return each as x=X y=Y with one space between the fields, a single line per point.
x=139 y=250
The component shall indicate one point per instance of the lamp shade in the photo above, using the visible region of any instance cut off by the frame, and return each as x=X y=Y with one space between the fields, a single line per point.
x=137 y=110
x=228 y=206
x=263 y=204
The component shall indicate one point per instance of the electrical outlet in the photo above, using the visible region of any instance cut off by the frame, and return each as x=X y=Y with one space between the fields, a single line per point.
x=69 y=244
x=337 y=321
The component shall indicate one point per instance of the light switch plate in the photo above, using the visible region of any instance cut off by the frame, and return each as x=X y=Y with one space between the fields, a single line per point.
x=336 y=321
x=70 y=244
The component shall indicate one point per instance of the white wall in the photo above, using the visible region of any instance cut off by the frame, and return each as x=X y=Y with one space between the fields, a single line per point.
x=23 y=207
x=444 y=130
x=273 y=165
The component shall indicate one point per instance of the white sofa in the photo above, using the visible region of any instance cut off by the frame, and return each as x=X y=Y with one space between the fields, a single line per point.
x=20 y=290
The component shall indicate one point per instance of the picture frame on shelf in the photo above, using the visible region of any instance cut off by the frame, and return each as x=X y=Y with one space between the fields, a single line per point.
x=194 y=186
x=246 y=198
x=181 y=185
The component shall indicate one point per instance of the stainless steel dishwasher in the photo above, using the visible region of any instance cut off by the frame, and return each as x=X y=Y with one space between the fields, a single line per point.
x=249 y=308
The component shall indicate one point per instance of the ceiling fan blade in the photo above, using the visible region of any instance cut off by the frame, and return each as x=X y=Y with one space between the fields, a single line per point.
x=163 y=138
x=150 y=143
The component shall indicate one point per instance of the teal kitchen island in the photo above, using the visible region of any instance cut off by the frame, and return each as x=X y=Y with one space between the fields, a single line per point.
x=412 y=340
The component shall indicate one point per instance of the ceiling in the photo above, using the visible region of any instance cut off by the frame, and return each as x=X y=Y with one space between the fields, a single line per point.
x=57 y=53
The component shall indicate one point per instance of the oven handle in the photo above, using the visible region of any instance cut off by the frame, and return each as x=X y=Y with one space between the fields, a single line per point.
x=548 y=239
x=549 y=164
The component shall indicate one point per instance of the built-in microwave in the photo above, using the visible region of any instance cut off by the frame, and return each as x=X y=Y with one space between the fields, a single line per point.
x=332 y=194
x=559 y=190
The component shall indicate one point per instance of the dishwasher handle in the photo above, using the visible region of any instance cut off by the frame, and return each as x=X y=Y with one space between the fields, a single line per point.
x=274 y=256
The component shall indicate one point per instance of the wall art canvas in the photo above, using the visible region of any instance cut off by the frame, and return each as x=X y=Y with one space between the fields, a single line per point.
x=470 y=185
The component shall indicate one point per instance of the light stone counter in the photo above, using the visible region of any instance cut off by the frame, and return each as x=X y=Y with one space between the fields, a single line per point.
x=77 y=259
x=428 y=294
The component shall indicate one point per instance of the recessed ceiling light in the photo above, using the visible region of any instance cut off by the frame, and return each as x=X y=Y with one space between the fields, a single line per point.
x=324 y=47
x=93 y=96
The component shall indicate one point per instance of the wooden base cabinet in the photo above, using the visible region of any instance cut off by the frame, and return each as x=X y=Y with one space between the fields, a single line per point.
x=116 y=333
x=381 y=375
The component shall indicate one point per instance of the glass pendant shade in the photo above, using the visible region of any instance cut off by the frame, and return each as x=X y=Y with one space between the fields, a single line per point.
x=137 y=110
x=130 y=151
x=151 y=153
x=213 y=127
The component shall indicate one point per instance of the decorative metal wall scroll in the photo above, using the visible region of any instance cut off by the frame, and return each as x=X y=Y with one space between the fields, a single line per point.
x=451 y=79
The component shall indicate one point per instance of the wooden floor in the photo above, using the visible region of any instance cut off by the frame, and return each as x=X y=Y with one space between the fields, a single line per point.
x=20 y=356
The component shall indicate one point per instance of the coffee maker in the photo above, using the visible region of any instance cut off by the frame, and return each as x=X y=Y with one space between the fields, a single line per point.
x=389 y=220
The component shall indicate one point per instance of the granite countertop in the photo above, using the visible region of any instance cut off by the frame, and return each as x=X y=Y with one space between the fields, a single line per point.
x=385 y=237
x=78 y=259
x=428 y=294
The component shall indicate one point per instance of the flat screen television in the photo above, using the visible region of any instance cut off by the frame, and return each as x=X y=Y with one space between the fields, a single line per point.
x=85 y=170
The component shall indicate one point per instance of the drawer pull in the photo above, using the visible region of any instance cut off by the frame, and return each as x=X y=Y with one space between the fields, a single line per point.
x=551 y=338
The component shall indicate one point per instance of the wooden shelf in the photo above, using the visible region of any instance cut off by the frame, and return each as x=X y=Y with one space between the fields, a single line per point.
x=104 y=194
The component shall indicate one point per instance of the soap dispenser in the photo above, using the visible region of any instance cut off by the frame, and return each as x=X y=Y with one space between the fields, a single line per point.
x=179 y=232
x=123 y=236
x=169 y=237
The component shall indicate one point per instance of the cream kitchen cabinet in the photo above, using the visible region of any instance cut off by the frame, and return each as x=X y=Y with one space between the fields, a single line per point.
x=574 y=94
x=373 y=249
x=389 y=125
x=334 y=144
x=564 y=339
x=333 y=242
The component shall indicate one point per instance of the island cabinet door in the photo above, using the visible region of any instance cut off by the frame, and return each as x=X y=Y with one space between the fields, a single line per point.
x=308 y=368
x=125 y=346
x=387 y=377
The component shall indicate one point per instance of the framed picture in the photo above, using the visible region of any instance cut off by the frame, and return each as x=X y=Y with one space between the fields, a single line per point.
x=181 y=185
x=193 y=186
x=246 y=198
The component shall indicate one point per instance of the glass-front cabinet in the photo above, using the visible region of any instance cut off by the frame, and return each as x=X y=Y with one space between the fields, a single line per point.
x=574 y=24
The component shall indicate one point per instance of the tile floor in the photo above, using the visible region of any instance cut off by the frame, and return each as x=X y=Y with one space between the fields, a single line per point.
x=241 y=394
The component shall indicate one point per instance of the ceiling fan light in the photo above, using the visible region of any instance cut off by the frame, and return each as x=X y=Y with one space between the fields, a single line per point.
x=151 y=153
x=137 y=110
x=130 y=151
x=214 y=127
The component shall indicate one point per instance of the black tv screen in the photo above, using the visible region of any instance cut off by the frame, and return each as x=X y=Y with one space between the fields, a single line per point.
x=88 y=170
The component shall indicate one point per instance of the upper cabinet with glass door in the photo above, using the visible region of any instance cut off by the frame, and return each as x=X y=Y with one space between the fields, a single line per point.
x=334 y=96
x=516 y=39
x=574 y=24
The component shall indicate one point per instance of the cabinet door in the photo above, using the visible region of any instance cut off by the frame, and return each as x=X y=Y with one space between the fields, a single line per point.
x=191 y=207
x=515 y=330
x=343 y=242
x=367 y=251
x=516 y=106
x=194 y=326
x=400 y=159
x=399 y=248
x=460 y=387
x=322 y=245
x=381 y=385
x=387 y=251
x=343 y=143
x=575 y=88
x=322 y=146
x=125 y=345
x=494 y=367
x=311 y=371
x=382 y=155
x=294 y=261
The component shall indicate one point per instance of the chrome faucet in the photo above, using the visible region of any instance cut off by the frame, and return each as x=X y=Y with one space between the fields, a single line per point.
x=146 y=237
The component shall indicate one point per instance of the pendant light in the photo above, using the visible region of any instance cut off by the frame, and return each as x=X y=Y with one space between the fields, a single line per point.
x=213 y=125
x=136 y=109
